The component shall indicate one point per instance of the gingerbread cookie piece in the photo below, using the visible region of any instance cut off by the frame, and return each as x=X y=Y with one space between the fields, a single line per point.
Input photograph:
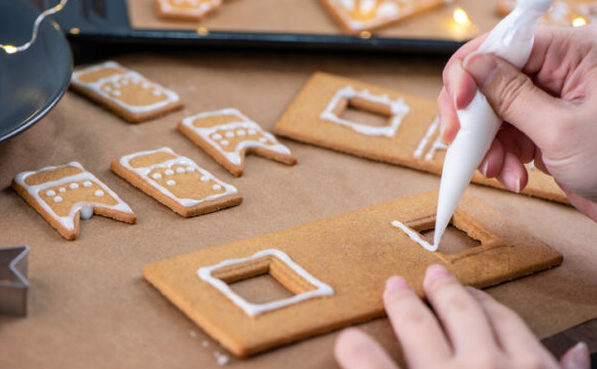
x=176 y=181
x=409 y=138
x=356 y=16
x=191 y=10
x=563 y=12
x=335 y=270
x=227 y=136
x=64 y=194
x=125 y=92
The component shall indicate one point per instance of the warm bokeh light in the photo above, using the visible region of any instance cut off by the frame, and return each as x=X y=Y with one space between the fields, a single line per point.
x=9 y=49
x=579 y=22
x=460 y=17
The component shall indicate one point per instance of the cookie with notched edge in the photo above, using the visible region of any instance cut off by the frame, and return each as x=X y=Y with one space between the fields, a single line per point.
x=64 y=194
x=228 y=136
x=125 y=92
x=176 y=181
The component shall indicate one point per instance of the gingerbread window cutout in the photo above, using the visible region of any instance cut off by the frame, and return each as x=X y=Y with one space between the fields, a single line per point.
x=396 y=110
x=278 y=265
x=461 y=221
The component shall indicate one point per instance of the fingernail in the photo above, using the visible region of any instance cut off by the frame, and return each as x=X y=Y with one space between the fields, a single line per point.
x=484 y=168
x=579 y=356
x=394 y=284
x=436 y=271
x=512 y=181
x=481 y=67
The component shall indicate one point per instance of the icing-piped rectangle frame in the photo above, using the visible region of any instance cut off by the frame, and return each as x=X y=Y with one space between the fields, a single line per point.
x=414 y=144
x=354 y=254
x=131 y=113
x=204 y=7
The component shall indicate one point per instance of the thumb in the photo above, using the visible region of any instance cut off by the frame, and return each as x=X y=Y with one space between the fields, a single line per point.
x=577 y=357
x=511 y=93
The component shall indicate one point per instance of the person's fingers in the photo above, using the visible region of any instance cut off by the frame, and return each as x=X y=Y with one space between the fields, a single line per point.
x=462 y=52
x=493 y=162
x=461 y=315
x=356 y=350
x=448 y=119
x=460 y=85
x=514 y=175
x=538 y=161
x=578 y=357
x=585 y=206
x=513 y=95
x=512 y=333
x=516 y=142
x=415 y=326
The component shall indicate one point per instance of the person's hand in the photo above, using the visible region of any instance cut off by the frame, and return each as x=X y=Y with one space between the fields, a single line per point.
x=469 y=330
x=550 y=109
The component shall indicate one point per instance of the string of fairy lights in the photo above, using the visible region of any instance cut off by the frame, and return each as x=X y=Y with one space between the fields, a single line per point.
x=11 y=49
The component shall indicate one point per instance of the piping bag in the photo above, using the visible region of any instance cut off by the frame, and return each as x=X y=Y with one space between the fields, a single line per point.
x=511 y=39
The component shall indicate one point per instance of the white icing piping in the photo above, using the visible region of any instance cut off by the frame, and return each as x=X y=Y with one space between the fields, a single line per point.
x=171 y=96
x=385 y=12
x=398 y=109
x=245 y=123
x=415 y=236
x=86 y=207
x=437 y=143
x=322 y=289
x=180 y=160
x=202 y=7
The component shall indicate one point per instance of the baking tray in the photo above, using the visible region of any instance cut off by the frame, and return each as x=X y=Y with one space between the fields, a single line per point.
x=291 y=24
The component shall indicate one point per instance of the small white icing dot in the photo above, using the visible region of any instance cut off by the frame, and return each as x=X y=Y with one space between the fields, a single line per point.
x=156 y=93
x=99 y=193
x=205 y=344
x=57 y=199
x=204 y=179
x=145 y=85
x=224 y=142
x=217 y=187
x=171 y=182
x=62 y=189
x=124 y=82
x=180 y=170
x=241 y=132
x=73 y=185
x=217 y=136
x=116 y=93
x=263 y=140
x=87 y=184
x=190 y=169
x=107 y=88
x=169 y=172
x=51 y=193
x=229 y=134
x=193 y=334
x=252 y=132
x=156 y=176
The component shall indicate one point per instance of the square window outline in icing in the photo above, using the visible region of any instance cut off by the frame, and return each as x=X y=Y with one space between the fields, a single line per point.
x=464 y=222
x=279 y=266
x=342 y=99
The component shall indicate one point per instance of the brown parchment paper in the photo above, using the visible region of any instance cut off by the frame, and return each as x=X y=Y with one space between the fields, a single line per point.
x=88 y=304
x=309 y=16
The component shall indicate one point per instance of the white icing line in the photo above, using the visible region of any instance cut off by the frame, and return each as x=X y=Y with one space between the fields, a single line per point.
x=143 y=172
x=384 y=14
x=398 y=109
x=171 y=96
x=415 y=236
x=423 y=144
x=202 y=7
x=245 y=123
x=83 y=206
x=322 y=289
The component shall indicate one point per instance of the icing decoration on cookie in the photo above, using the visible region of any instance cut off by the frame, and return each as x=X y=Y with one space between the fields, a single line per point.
x=563 y=12
x=217 y=133
x=435 y=146
x=125 y=89
x=66 y=196
x=397 y=110
x=177 y=177
x=186 y=9
x=365 y=15
x=415 y=236
x=322 y=289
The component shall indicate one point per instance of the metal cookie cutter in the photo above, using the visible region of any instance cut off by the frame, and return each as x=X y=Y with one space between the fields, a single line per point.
x=13 y=280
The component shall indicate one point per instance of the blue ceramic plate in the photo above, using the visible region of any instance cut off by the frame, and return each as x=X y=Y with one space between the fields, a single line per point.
x=32 y=81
